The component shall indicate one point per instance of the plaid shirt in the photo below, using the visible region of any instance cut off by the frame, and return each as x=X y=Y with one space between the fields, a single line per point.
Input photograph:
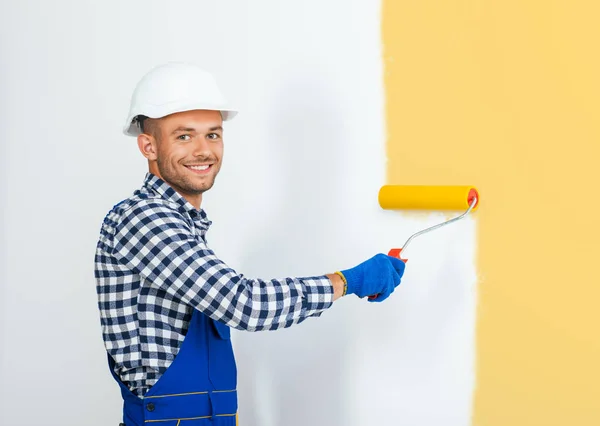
x=153 y=267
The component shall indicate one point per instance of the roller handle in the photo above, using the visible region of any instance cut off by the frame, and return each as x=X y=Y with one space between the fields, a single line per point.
x=395 y=252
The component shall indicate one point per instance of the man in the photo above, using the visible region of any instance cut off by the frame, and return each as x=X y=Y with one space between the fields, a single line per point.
x=167 y=302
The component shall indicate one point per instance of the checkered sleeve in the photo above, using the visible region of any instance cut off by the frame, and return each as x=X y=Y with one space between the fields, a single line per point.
x=155 y=241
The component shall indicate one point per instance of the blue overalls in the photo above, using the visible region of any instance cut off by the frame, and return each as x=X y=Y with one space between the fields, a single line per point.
x=198 y=388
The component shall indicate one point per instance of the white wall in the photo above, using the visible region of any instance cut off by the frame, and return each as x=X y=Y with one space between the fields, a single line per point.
x=308 y=79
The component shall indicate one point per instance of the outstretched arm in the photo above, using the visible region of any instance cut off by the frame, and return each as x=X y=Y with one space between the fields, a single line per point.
x=156 y=242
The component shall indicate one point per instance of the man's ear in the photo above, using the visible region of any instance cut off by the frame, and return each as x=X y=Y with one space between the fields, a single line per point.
x=148 y=146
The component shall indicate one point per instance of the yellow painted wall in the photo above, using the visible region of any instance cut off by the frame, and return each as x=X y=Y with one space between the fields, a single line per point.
x=505 y=95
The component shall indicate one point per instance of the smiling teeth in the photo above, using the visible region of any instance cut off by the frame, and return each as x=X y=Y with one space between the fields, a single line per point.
x=198 y=167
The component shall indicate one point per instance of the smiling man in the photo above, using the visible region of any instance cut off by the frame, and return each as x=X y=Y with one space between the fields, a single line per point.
x=184 y=149
x=167 y=302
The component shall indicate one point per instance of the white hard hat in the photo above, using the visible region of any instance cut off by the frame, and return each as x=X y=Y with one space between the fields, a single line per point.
x=175 y=87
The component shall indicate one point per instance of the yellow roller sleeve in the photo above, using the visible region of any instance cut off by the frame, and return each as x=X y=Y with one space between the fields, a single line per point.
x=423 y=197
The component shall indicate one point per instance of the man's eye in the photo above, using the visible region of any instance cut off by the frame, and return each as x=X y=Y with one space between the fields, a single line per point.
x=213 y=136
x=184 y=137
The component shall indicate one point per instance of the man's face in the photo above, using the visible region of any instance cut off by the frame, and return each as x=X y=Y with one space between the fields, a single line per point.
x=188 y=150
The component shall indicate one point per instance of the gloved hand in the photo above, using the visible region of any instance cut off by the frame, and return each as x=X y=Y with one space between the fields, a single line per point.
x=380 y=275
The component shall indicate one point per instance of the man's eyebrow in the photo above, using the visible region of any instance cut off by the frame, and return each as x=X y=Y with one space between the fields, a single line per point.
x=183 y=129
x=191 y=129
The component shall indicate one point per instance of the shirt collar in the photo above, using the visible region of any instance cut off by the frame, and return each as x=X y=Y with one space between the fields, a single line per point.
x=162 y=188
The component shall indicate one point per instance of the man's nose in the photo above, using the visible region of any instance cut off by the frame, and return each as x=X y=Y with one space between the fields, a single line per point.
x=201 y=147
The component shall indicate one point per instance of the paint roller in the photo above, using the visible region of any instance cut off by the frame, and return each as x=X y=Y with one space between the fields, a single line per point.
x=422 y=197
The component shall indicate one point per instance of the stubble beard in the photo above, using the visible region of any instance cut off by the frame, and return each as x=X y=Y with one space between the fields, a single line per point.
x=184 y=183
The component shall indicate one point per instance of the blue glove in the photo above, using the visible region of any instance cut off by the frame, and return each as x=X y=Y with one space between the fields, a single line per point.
x=380 y=275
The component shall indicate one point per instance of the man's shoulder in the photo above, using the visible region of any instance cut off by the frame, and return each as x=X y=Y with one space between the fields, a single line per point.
x=140 y=204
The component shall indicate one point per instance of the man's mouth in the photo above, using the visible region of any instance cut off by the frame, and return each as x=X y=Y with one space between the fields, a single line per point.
x=200 y=169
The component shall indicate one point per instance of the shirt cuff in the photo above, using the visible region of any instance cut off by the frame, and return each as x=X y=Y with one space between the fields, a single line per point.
x=318 y=295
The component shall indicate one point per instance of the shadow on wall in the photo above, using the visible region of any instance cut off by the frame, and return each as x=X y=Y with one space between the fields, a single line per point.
x=294 y=376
